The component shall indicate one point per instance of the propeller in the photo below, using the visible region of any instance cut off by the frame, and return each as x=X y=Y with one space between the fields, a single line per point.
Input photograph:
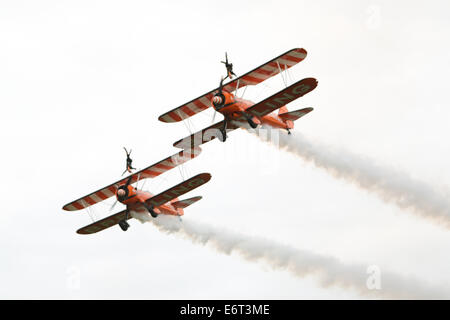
x=214 y=116
x=128 y=181
x=221 y=85
x=113 y=205
x=122 y=191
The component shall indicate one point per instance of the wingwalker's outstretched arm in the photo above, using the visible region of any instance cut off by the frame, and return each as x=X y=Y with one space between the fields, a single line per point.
x=129 y=167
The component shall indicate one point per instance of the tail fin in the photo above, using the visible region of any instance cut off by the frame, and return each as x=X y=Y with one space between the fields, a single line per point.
x=290 y=117
x=289 y=123
x=180 y=205
x=282 y=110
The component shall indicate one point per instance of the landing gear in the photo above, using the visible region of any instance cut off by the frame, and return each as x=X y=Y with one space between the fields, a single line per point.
x=124 y=225
x=150 y=210
x=223 y=131
x=223 y=136
x=289 y=131
x=250 y=121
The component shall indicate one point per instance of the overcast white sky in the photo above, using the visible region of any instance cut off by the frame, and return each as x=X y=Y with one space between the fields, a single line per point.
x=81 y=79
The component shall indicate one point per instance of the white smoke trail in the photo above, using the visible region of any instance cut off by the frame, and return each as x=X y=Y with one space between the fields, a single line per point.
x=328 y=270
x=390 y=185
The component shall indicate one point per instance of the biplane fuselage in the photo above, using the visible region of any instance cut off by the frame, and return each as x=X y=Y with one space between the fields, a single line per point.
x=234 y=107
x=136 y=199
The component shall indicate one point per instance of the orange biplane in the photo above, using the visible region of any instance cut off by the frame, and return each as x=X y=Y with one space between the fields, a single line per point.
x=140 y=202
x=238 y=112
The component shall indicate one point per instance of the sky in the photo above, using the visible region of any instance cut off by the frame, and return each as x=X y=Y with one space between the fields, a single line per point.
x=79 y=80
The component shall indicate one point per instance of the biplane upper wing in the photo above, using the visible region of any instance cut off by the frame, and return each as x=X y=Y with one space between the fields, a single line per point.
x=104 y=223
x=203 y=136
x=257 y=75
x=179 y=189
x=149 y=172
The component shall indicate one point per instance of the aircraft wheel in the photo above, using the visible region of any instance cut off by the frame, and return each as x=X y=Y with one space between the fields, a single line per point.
x=223 y=136
x=124 y=225
x=153 y=213
x=251 y=123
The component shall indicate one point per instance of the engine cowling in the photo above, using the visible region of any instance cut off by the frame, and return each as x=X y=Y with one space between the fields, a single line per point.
x=220 y=99
x=124 y=192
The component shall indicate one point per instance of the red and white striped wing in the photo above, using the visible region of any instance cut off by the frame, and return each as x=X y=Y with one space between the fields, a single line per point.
x=268 y=70
x=149 y=172
x=189 y=109
x=258 y=75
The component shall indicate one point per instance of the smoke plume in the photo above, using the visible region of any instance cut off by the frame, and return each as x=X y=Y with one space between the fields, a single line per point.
x=391 y=185
x=328 y=270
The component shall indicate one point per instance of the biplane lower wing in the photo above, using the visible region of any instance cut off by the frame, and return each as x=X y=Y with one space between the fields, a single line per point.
x=149 y=172
x=285 y=96
x=257 y=75
x=179 y=190
x=104 y=223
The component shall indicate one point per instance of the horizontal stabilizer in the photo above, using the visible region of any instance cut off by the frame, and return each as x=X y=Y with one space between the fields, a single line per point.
x=186 y=202
x=295 y=115
x=179 y=190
